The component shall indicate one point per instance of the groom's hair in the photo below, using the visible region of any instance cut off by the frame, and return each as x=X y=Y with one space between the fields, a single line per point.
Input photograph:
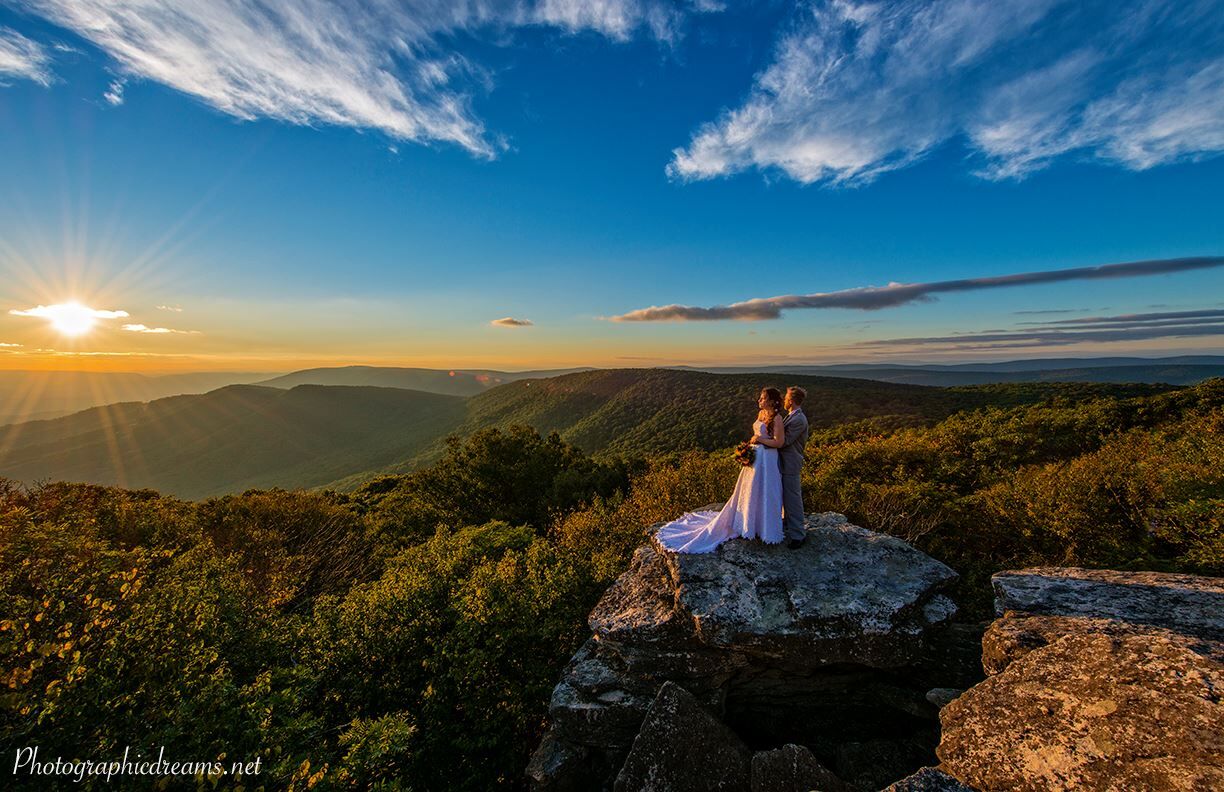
x=797 y=395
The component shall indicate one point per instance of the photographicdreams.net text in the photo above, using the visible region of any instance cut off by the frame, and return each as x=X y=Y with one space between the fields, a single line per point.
x=27 y=763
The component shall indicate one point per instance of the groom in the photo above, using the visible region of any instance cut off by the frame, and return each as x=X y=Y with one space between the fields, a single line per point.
x=790 y=461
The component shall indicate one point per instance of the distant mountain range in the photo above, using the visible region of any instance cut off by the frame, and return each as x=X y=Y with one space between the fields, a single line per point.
x=246 y=436
x=1184 y=370
x=32 y=395
x=231 y=439
x=35 y=395
x=456 y=382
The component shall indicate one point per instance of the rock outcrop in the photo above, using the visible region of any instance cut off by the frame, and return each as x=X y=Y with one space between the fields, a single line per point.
x=827 y=647
x=1099 y=680
x=828 y=668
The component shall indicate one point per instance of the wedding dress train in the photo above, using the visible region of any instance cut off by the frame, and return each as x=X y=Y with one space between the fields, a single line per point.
x=754 y=510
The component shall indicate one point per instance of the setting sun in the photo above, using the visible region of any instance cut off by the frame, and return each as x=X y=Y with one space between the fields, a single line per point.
x=70 y=318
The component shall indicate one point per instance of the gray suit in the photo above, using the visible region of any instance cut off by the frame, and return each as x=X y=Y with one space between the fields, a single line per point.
x=790 y=462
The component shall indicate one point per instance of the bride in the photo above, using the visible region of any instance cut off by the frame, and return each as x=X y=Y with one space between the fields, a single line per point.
x=755 y=508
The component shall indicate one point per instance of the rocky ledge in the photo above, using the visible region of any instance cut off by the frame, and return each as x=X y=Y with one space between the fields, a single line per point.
x=819 y=659
x=1098 y=680
x=838 y=667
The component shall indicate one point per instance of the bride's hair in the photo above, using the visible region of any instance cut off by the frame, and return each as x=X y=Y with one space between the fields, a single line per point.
x=773 y=406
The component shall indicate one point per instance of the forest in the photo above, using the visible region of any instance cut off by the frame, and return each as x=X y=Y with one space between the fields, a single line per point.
x=406 y=635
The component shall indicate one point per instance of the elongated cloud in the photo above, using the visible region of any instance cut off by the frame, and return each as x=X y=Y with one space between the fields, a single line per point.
x=364 y=63
x=140 y=328
x=23 y=59
x=67 y=309
x=871 y=298
x=510 y=321
x=856 y=89
x=1096 y=329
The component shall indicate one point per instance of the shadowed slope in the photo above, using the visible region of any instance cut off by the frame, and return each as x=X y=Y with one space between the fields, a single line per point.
x=231 y=439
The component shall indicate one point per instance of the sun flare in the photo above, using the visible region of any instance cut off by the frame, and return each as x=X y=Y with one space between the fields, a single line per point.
x=70 y=319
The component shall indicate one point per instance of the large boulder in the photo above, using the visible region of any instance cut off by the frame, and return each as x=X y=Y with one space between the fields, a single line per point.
x=683 y=748
x=792 y=768
x=1092 y=711
x=832 y=643
x=1099 y=679
x=849 y=595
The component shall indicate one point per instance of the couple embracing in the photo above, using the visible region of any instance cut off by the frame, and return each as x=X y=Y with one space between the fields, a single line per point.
x=767 y=502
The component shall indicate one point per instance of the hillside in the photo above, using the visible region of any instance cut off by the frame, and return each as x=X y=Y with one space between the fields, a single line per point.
x=246 y=436
x=453 y=382
x=631 y=412
x=36 y=395
x=231 y=439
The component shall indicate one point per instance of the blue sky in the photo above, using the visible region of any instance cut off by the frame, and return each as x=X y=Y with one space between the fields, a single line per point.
x=294 y=185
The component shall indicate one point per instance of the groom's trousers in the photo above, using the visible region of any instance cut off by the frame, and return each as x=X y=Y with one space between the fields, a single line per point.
x=792 y=507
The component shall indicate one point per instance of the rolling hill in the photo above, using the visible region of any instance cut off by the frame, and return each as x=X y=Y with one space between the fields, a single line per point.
x=628 y=411
x=247 y=436
x=231 y=439
x=454 y=382
x=641 y=411
x=34 y=395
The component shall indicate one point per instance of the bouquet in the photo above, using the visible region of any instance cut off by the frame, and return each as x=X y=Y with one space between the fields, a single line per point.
x=745 y=453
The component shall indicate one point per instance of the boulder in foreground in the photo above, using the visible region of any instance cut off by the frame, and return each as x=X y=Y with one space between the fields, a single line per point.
x=682 y=748
x=1099 y=680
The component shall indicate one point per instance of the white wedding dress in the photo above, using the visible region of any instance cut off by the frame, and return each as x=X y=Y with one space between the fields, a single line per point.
x=753 y=512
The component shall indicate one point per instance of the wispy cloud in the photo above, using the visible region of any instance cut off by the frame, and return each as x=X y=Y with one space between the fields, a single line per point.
x=8 y=346
x=856 y=89
x=1127 y=321
x=60 y=310
x=510 y=321
x=367 y=63
x=172 y=308
x=1094 y=329
x=140 y=328
x=23 y=59
x=114 y=93
x=870 y=298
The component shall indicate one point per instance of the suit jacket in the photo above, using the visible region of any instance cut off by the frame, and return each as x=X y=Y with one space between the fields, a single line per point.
x=795 y=437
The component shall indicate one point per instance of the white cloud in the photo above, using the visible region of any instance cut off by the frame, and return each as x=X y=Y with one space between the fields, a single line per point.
x=8 y=346
x=114 y=94
x=367 y=63
x=62 y=309
x=70 y=318
x=172 y=308
x=23 y=59
x=510 y=321
x=616 y=19
x=857 y=89
x=140 y=328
